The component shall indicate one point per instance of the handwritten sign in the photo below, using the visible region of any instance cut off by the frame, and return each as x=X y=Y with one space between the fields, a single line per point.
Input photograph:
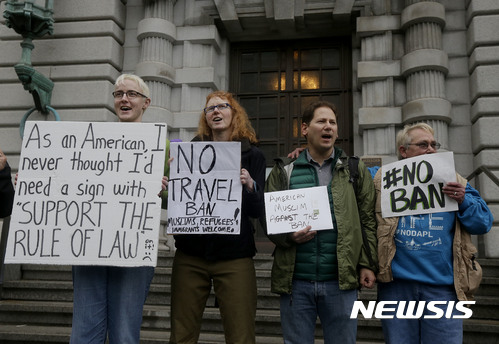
x=204 y=188
x=414 y=186
x=292 y=210
x=87 y=194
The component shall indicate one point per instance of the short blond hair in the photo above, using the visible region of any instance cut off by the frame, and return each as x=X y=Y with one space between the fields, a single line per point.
x=404 y=137
x=143 y=88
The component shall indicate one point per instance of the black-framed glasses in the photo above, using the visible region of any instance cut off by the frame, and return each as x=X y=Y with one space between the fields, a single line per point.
x=220 y=107
x=425 y=145
x=129 y=94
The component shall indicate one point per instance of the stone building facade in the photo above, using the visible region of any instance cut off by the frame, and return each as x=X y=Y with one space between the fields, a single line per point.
x=399 y=62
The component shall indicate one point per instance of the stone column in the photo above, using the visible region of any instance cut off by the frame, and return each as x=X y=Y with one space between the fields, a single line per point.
x=425 y=66
x=482 y=21
x=402 y=73
x=378 y=76
x=156 y=33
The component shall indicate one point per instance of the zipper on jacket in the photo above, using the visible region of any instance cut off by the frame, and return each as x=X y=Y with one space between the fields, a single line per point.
x=317 y=256
x=473 y=265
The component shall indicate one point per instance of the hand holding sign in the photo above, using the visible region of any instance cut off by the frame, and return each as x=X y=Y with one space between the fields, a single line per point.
x=455 y=191
x=303 y=235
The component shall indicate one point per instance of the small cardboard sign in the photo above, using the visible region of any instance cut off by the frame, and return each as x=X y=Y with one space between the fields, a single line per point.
x=293 y=210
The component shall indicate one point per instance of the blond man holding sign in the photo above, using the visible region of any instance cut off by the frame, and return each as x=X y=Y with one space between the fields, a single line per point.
x=427 y=256
x=108 y=300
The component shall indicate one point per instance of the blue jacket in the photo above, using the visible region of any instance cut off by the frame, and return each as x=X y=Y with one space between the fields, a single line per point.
x=473 y=217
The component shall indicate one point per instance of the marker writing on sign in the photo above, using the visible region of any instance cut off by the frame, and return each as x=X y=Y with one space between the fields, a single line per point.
x=424 y=196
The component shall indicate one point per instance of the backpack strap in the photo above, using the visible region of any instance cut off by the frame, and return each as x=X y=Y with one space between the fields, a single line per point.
x=353 y=167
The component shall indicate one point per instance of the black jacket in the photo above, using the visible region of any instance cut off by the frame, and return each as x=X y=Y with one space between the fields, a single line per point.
x=215 y=247
x=6 y=192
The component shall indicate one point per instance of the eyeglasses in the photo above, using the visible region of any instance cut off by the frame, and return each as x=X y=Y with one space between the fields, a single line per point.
x=220 y=107
x=425 y=145
x=129 y=94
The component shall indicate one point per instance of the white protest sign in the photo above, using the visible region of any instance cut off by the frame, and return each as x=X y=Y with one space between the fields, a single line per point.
x=87 y=194
x=414 y=186
x=204 y=188
x=292 y=210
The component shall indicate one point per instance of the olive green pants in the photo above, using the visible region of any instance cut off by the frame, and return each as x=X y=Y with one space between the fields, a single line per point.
x=234 y=283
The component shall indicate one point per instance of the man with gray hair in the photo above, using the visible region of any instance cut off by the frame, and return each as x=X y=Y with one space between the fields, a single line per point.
x=444 y=271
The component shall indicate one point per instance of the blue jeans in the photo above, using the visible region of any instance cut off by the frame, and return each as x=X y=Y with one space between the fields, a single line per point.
x=310 y=299
x=108 y=300
x=415 y=331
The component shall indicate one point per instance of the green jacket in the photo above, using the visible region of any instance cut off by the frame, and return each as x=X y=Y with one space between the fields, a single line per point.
x=349 y=214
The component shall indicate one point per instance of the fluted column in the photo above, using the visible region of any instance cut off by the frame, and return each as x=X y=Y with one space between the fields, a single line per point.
x=425 y=66
x=156 y=34
x=378 y=112
x=483 y=51
x=377 y=73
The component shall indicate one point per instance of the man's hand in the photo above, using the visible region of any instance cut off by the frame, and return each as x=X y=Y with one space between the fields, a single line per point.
x=455 y=191
x=303 y=235
x=294 y=154
x=366 y=278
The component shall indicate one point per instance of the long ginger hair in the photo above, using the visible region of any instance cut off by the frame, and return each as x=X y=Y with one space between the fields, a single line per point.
x=240 y=124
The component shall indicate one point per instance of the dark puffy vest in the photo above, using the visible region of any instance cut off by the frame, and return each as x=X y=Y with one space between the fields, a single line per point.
x=316 y=260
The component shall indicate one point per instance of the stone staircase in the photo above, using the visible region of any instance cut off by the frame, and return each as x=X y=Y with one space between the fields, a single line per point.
x=37 y=307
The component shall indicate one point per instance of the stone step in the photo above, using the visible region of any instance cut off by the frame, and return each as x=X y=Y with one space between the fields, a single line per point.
x=24 y=314
x=263 y=265
x=159 y=293
x=162 y=275
x=44 y=296
x=28 y=334
x=474 y=332
x=489 y=286
x=486 y=307
x=490 y=267
x=155 y=316
x=480 y=331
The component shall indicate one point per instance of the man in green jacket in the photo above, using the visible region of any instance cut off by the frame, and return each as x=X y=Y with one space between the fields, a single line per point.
x=317 y=273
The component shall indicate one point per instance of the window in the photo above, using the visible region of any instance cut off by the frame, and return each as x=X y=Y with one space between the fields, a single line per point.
x=275 y=81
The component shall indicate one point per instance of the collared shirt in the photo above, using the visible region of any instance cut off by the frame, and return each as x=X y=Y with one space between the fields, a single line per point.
x=324 y=171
